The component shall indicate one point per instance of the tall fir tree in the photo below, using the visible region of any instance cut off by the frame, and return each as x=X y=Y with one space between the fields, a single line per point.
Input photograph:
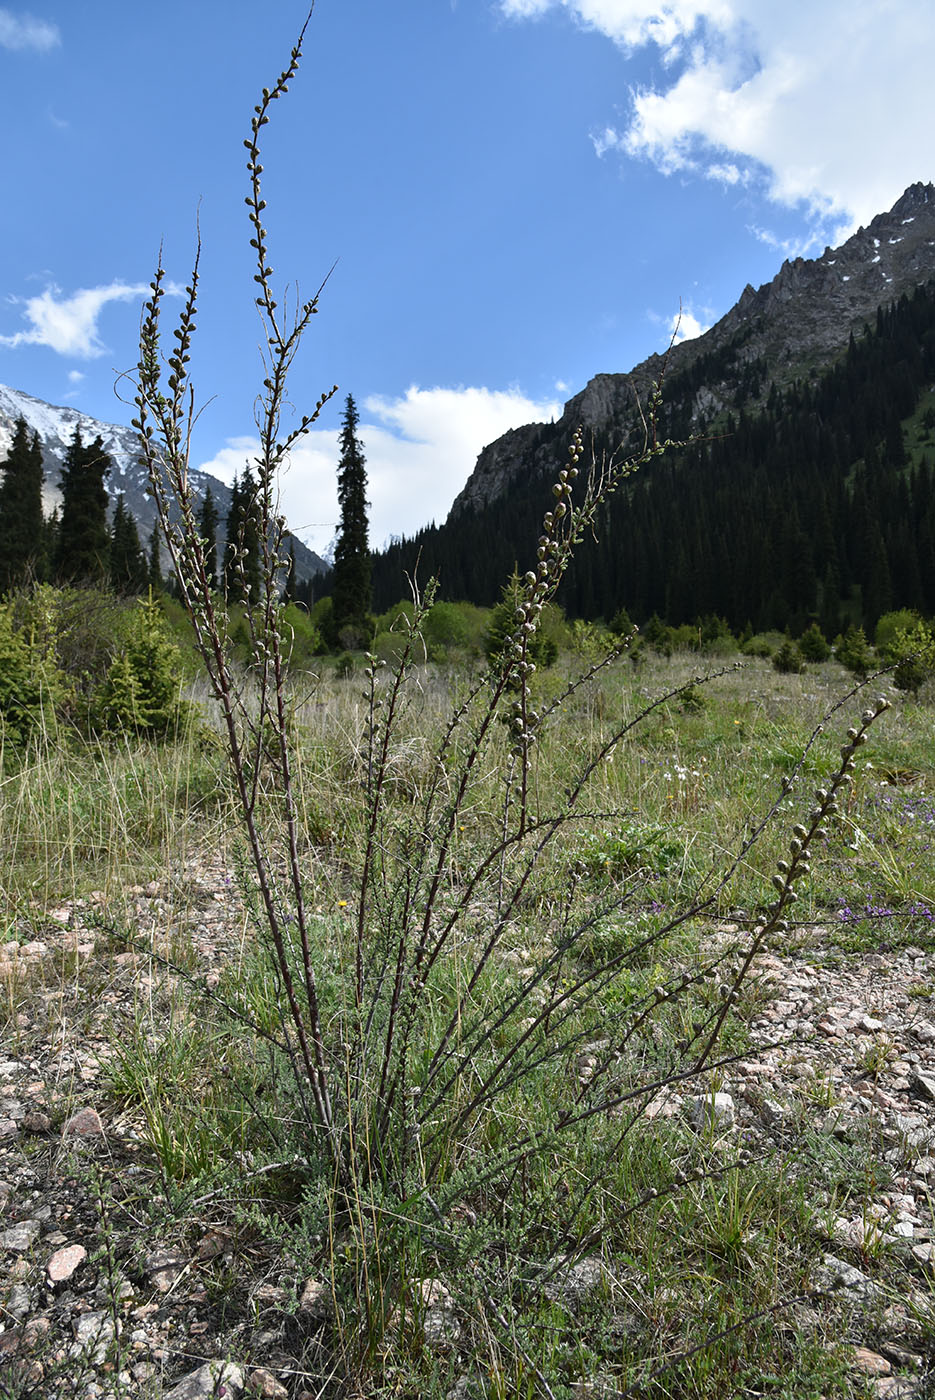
x=129 y=572
x=154 y=564
x=83 y=536
x=22 y=528
x=208 y=521
x=234 y=529
x=242 y=549
x=351 y=624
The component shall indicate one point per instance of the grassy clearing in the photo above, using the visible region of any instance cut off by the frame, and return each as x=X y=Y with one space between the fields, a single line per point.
x=680 y=1239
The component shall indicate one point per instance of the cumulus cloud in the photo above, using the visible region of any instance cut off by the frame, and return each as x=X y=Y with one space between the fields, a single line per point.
x=68 y=324
x=828 y=106
x=686 y=326
x=24 y=32
x=420 y=449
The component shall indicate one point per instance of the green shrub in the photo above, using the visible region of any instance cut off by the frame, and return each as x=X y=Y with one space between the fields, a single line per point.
x=76 y=629
x=31 y=686
x=788 y=659
x=812 y=644
x=914 y=649
x=657 y=635
x=853 y=651
x=758 y=645
x=714 y=634
x=142 y=689
x=543 y=644
x=301 y=632
x=890 y=625
x=621 y=624
x=588 y=640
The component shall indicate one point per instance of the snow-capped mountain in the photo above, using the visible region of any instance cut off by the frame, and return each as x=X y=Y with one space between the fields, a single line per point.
x=56 y=427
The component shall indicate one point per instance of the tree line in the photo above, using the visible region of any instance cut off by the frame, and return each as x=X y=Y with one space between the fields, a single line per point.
x=810 y=508
x=78 y=545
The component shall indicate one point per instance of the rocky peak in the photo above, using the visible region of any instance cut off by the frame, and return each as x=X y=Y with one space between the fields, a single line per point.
x=795 y=324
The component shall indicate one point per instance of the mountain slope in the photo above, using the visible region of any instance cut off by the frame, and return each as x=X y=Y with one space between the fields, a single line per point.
x=56 y=426
x=791 y=327
x=807 y=493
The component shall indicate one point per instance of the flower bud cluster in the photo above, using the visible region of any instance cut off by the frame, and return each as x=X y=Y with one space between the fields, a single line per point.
x=536 y=586
x=826 y=804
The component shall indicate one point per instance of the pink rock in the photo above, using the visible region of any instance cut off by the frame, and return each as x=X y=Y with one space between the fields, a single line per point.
x=85 y=1123
x=64 y=1262
x=871 y=1363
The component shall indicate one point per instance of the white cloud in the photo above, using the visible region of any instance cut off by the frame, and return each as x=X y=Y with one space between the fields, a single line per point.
x=25 y=32
x=68 y=325
x=420 y=449
x=809 y=246
x=830 y=105
x=630 y=23
x=725 y=173
x=685 y=325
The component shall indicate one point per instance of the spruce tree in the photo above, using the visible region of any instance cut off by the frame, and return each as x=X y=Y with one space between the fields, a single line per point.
x=351 y=624
x=242 y=550
x=83 y=537
x=129 y=571
x=234 y=527
x=251 y=537
x=208 y=521
x=154 y=566
x=22 y=528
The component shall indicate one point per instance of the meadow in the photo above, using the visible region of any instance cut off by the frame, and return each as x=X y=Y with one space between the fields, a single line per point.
x=556 y=1197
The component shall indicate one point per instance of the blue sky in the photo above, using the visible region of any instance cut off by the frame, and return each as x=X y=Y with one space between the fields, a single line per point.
x=518 y=195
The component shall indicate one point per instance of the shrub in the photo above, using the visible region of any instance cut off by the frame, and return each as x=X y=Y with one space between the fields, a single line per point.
x=620 y=624
x=853 y=651
x=435 y=1060
x=543 y=640
x=889 y=627
x=789 y=659
x=761 y=644
x=142 y=689
x=657 y=635
x=303 y=637
x=913 y=648
x=812 y=644
x=31 y=686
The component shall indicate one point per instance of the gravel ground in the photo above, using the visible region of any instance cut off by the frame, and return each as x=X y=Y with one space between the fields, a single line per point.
x=99 y=1299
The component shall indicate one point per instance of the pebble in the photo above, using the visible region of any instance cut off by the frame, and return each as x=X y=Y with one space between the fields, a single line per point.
x=64 y=1262
x=711 y=1111
x=870 y=1363
x=264 y=1384
x=85 y=1123
x=210 y=1380
x=21 y=1236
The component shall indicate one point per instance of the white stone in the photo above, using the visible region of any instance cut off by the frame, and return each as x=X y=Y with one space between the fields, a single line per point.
x=210 y=1380
x=711 y=1111
x=20 y=1236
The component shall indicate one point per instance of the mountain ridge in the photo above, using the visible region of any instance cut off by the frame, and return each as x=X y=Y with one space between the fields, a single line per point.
x=802 y=318
x=129 y=478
